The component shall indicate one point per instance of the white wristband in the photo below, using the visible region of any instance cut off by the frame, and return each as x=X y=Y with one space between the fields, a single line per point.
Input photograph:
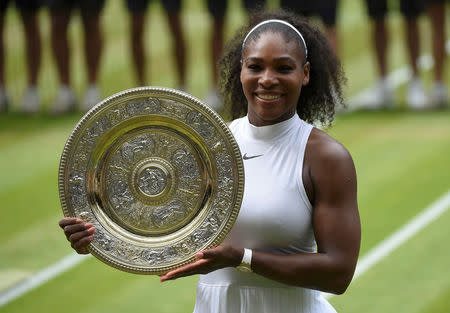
x=246 y=263
x=247 y=257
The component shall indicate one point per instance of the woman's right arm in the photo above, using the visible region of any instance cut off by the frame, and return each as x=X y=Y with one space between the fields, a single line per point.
x=78 y=233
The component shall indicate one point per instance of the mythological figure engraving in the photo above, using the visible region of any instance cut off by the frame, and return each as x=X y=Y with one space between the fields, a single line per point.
x=137 y=148
x=77 y=189
x=169 y=214
x=200 y=124
x=99 y=127
x=105 y=241
x=143 y=106
x=154 y=105
x=159 y=256
x=121 y=197
x=152 y=181
x=186 y=164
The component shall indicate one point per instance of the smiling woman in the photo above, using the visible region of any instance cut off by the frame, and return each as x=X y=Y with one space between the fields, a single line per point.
x=273 y=73
x=322 y=89
x=298 y=229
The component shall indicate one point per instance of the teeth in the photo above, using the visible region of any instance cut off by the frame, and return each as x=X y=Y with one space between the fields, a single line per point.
x=269 y=97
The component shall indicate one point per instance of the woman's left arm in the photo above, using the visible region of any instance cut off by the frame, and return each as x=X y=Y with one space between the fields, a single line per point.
x=332 y=179
x=336 y=223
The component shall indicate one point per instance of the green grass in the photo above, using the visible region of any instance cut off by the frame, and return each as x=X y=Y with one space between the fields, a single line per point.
x=31 y=148
x=94 y=287
x=401 y=167
x=409 y=280
x=440 y=303
x=401 y=157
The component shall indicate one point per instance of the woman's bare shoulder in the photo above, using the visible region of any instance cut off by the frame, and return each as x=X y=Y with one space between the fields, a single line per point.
x=322 y=147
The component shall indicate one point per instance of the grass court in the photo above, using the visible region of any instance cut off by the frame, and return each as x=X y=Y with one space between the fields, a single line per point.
x=402 y=160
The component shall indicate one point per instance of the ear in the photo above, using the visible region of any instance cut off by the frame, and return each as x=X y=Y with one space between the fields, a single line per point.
x=306 y=69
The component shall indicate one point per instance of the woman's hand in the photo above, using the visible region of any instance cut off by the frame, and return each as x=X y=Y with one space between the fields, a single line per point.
x=207 y=261
x=78 y=233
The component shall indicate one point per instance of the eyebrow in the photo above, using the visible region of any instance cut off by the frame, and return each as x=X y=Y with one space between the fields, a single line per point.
x=256 y=59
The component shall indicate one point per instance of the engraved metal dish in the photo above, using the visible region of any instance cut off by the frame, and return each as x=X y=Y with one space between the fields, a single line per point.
x=158 y=173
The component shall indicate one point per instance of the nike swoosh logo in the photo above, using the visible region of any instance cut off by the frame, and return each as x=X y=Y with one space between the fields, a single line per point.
x=245 y=157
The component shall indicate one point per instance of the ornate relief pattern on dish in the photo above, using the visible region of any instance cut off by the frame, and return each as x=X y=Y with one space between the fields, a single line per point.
x=158 y=173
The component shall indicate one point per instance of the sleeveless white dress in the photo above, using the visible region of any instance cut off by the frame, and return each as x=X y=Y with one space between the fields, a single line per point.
x=275 y=216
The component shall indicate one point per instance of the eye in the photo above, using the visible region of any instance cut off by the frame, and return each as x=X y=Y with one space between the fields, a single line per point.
x=285 y=68
x=254 y=67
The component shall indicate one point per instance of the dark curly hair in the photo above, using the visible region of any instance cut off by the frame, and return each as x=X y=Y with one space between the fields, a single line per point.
x=318 y=99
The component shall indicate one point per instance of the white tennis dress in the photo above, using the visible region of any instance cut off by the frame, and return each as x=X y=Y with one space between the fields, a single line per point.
x=275 y=216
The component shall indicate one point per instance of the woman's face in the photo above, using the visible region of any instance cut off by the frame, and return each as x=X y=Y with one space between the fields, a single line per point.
x=272 y=76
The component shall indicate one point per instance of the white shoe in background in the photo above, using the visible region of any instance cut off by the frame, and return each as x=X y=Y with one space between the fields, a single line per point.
x=439 y=96
x=182 y=88
x=91 y=98
x=30 y=102
x=415 y=96
x=4 y=100
x=213 y=100
x=65 y=101
x=382 y=96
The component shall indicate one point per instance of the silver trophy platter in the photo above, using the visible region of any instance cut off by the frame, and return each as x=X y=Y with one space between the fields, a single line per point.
x=158 y=173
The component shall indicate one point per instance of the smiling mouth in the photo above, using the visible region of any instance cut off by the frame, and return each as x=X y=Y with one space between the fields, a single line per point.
x=268 y=97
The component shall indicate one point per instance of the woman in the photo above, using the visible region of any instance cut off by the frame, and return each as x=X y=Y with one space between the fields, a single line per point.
x=298 y=229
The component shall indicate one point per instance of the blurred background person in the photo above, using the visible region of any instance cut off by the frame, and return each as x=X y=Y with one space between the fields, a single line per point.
x=325 y=9
x=436 y=12
x=217 y=10
x=28 y=14
x=137 y=9
x=410 y=9
x=60 y=14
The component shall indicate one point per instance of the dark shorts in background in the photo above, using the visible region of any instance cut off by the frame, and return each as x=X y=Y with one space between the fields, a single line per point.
x=250 y=5
x=325 y=9
x=21 y=5
x=94 y=6
x=138 y=6
x=411 y=9
x=429 y=2
x=218 y=8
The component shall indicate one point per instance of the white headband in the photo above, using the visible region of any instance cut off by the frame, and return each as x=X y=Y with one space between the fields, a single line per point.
x=277 y=21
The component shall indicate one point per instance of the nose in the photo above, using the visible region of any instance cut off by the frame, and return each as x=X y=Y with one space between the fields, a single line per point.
x=268 y=79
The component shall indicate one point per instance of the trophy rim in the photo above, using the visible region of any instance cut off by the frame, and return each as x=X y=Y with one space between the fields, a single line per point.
x=235 y=153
